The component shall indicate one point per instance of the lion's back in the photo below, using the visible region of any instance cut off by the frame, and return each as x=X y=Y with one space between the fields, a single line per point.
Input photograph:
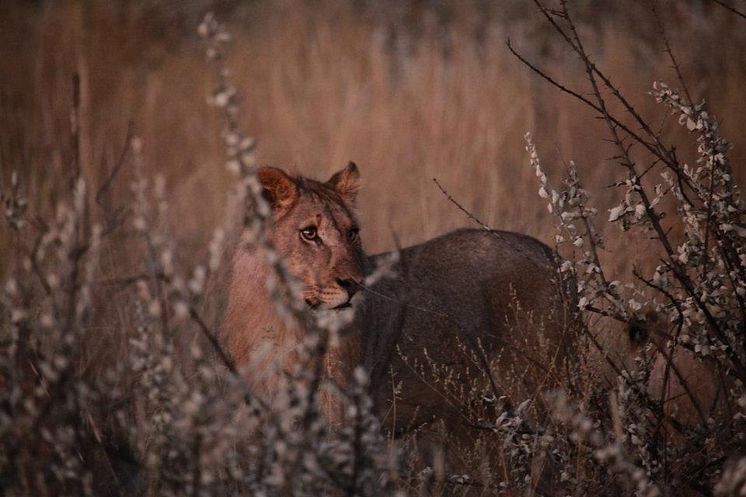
x=469 y=273
x=469 y=290
x=466 y=256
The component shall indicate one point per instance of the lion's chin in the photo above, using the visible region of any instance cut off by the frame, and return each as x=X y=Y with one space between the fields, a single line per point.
x=327 y=306
x=331 y=301
x=334 y=317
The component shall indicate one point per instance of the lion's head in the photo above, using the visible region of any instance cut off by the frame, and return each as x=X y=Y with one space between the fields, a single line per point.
x=315 y=229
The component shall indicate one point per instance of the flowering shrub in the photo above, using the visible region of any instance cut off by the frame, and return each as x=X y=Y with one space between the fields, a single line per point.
x=691 y=304
x=187 y=423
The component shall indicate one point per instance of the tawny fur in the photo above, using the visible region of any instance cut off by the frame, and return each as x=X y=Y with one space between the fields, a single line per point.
x=487 y=307
x=466 y=291
x=490 y=295
x=261 y=342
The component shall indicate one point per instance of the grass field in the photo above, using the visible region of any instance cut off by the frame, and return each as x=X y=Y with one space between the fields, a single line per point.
x=410 y=91
x=408 y=95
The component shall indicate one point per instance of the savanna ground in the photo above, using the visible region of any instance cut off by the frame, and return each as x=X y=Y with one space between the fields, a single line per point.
x=410 y=91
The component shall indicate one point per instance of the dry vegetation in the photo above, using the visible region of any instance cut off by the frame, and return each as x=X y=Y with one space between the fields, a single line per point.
x=112 y=168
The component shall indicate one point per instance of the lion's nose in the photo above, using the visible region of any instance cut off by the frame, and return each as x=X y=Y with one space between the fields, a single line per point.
x=351 y=286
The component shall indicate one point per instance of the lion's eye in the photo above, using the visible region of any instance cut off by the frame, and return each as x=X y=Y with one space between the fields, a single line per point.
x=309 y=233
x=353 y=234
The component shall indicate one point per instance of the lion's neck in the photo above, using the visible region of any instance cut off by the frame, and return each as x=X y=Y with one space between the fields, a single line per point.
x=264 y=345
x=251 y=320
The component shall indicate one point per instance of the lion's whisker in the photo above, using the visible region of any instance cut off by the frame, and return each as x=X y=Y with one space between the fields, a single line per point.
x=395 y=300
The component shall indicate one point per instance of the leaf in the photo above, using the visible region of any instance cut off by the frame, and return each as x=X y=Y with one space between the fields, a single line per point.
x=616 y=212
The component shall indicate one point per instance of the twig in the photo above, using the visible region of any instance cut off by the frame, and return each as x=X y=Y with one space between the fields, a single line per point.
x=402 y=302
x=728 y=7
x=461 y=207
x=493 y=232
x=214 y=342
x=106 y=185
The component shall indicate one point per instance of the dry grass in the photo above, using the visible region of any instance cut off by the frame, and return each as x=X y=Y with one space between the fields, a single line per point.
x=327 y=84
x=407 y=95
x=410 y=94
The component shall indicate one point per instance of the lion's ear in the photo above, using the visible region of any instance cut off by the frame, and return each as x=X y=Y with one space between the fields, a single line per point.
x=346 y=182
x=278 y=188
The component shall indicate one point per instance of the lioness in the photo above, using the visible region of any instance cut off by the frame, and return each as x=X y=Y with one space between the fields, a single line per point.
x=473 y=314
x=468 y=305
x=314 y=228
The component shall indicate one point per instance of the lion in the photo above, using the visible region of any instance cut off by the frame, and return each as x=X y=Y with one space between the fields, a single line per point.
x=476 y=323
x=472 y=303
x=314 y=227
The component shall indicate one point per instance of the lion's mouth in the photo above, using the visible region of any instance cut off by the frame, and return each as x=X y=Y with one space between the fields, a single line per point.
x=313 y=304
x=316 y=304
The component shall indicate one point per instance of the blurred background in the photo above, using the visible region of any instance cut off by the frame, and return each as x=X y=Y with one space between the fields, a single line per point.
x=410 y=90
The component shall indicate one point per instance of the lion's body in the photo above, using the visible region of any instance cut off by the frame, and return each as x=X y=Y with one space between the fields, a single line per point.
x=470 y=309
x=473 y=314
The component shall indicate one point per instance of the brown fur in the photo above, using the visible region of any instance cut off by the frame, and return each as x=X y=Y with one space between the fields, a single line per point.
x=260 y=341
x=465 y=291
x=472 y=315
x=484 y=304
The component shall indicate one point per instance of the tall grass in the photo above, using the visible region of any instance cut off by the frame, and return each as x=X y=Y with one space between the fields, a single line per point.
x=327 y=83
x=409 y=93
